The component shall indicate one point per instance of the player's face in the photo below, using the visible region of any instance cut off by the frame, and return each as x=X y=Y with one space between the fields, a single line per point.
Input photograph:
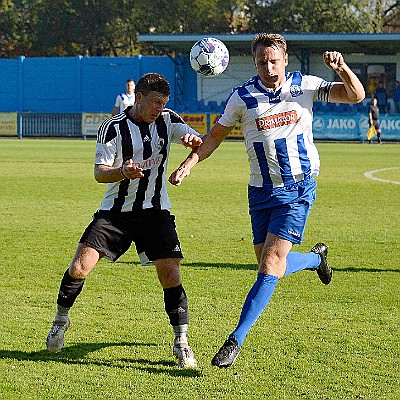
x=149 y=107
x=270 y=63
x=130 y=87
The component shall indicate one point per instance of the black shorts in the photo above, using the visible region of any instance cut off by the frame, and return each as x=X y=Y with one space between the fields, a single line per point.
x=375 y=122
x=153 y=231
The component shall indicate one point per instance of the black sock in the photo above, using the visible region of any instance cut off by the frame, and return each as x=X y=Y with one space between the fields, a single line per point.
x=176 y=305
x=69 y=290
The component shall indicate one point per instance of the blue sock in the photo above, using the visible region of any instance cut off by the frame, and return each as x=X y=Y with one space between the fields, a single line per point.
x=256 y=301
x=298 y=261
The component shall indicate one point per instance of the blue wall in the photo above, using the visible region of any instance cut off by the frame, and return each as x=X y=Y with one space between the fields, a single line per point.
x=90 y=85
x=74 y=84
x=10 y=75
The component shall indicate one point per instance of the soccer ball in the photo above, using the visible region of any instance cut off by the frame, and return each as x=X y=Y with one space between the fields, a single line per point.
x=209 y=57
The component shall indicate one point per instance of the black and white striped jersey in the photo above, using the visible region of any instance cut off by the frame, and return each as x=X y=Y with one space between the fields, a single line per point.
x=120 y=138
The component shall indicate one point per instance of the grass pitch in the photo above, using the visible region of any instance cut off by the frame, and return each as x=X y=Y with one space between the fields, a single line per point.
x=339 y=341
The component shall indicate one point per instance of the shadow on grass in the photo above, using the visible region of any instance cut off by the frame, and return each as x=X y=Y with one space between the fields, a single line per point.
x=77 y=354
x=203 y=265
x=253 y=267
x=352 y=269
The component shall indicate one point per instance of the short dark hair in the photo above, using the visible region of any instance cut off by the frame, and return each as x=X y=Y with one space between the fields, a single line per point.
x=268 y=40
x=152 y=82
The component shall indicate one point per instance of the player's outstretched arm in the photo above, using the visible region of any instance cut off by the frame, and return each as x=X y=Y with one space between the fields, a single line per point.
x=350 y=90
x=210 y=142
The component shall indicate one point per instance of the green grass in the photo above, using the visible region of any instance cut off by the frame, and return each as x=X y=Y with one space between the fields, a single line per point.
x=313 y=341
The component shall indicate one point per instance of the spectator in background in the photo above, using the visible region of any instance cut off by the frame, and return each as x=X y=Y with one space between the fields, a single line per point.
x=381 y=96
x=373 y=113
x=126 y=99
x=396 y=97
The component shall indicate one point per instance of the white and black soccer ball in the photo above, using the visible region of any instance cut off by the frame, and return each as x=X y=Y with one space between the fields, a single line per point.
x=209 y=57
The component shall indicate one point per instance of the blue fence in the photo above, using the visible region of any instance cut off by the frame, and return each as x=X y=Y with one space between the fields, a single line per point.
x=77 y=84
x=51 y=94
x=332 y=126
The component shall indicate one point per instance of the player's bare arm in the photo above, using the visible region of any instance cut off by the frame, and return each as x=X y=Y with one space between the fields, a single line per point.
x=350 y=90
x=210 y=142
x=107 y=174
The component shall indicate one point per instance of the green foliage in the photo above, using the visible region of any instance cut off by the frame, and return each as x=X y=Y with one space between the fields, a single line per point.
x=310 y=16
x=91 y=26
x=181 y=16
x=313 y=342
x=16 y=20
x=100 y=27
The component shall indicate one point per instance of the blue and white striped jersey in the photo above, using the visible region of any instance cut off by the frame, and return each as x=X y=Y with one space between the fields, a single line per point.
x=120 y=138
x=277 y=127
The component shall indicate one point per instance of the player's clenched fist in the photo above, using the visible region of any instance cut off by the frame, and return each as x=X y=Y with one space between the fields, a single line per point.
x=333 y=59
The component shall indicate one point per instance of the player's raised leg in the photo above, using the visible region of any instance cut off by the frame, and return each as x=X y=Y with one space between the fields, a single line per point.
x=272 y=262
x=275 y=262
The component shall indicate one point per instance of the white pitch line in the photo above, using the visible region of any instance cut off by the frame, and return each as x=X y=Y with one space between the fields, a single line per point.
x=370 y=175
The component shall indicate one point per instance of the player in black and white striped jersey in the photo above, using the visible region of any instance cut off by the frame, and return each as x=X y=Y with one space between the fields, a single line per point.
x=131 y=157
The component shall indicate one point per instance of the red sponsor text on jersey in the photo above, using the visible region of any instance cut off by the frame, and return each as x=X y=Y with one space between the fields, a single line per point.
x=276 y=120
x=149 y=163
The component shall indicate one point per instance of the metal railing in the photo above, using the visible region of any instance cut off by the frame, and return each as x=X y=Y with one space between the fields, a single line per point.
x=48 y=124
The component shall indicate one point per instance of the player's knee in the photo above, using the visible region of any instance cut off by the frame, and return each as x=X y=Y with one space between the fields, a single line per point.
x=78 y=270
x=170 y=279
x=168 y=273
x=274 y=266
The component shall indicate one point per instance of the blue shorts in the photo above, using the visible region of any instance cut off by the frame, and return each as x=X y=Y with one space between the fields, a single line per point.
x=281 y=211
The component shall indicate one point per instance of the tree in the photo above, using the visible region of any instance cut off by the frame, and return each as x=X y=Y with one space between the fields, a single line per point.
x=110 y=27
x=181 y=16
x=89 y=27
x=318 y=16
x=16 y=18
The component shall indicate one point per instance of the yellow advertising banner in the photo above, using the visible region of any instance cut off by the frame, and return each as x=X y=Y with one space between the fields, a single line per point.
x=91 y=123
x=8 y=124
x=236 y=131
x=196 y=121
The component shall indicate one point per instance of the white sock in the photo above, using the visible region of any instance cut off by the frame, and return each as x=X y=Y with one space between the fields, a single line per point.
x=180 y=332
x=62 y=314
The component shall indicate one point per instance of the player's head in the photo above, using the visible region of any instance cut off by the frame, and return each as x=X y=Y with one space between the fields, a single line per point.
x=130 y=86
x=153 y=82
x=270 y=58
x=268 y=40
x=151 y=95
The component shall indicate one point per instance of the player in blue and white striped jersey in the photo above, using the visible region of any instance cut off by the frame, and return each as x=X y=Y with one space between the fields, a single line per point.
x=131 y=156
x=274 y=109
